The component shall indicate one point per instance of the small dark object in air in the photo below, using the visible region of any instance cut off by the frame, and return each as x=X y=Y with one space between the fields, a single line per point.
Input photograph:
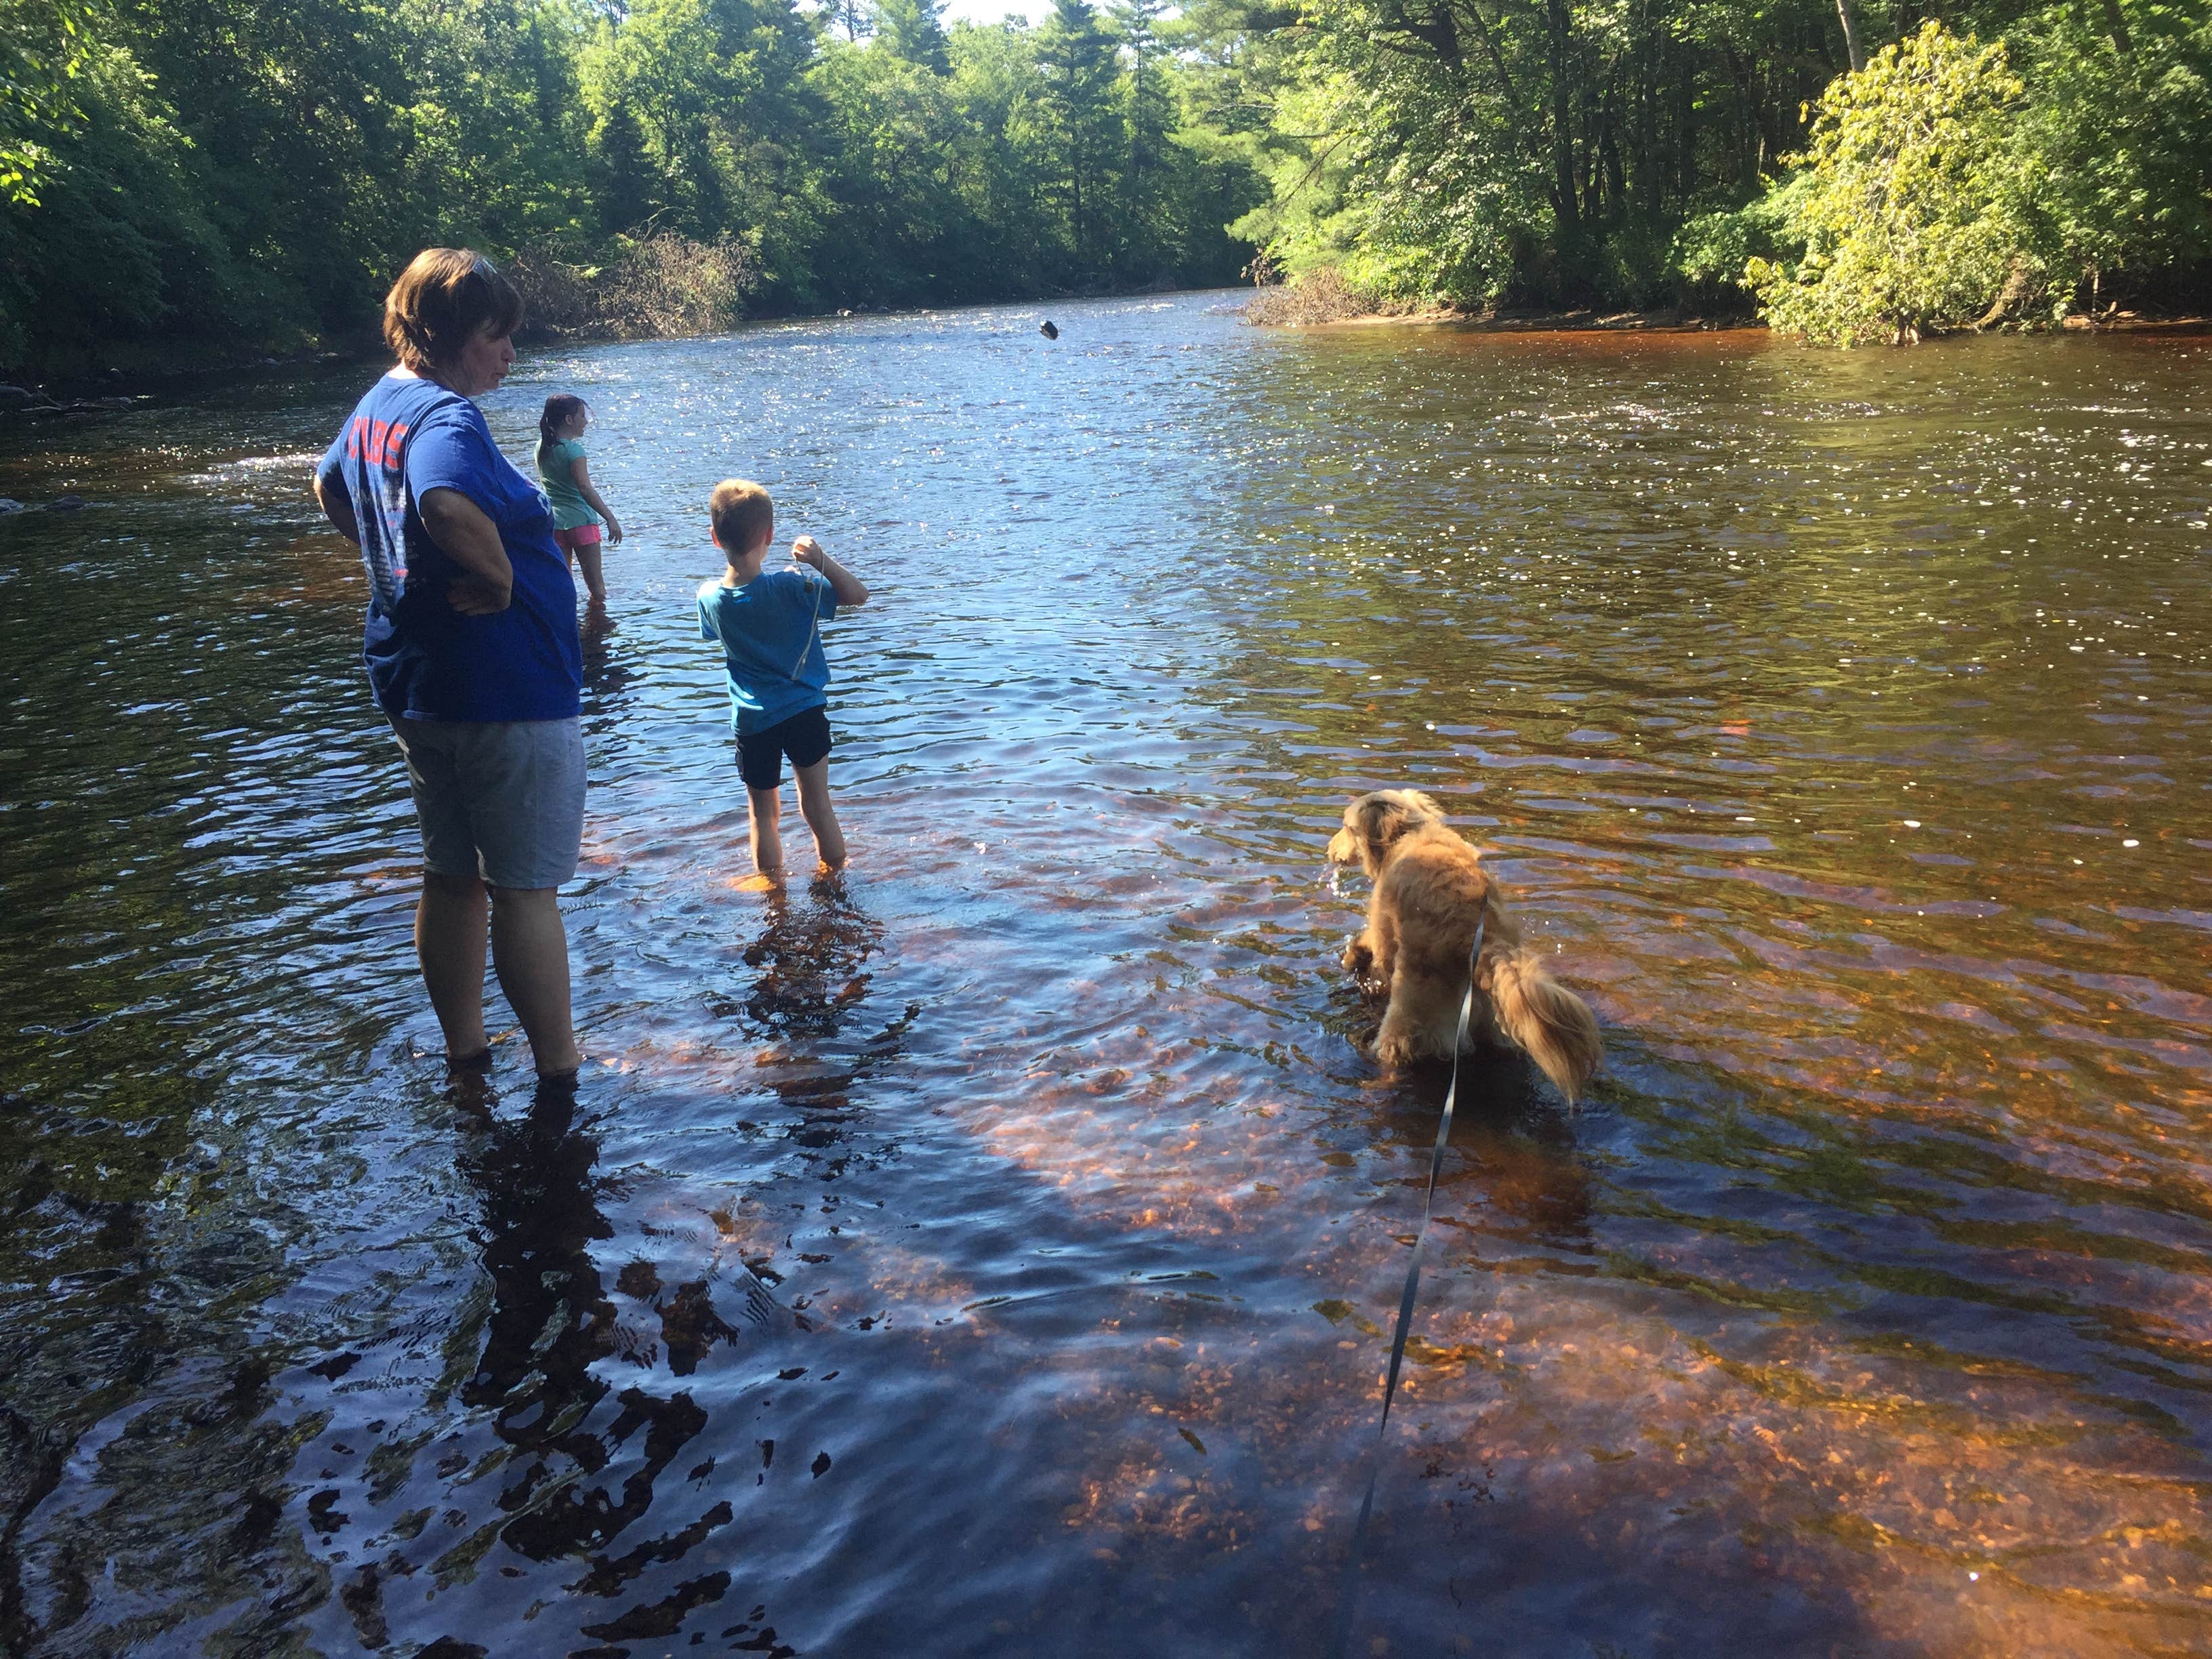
x=1048 y=330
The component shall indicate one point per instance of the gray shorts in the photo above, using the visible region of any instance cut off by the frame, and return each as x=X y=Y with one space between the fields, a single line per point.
x=502 y=800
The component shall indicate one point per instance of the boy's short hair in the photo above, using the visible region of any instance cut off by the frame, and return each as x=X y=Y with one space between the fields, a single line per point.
x=742 y=514
x=444 y=297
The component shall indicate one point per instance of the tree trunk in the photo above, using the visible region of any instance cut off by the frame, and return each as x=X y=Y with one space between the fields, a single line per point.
x=2118 y=25
x=1566 y=199
x=1851 y=34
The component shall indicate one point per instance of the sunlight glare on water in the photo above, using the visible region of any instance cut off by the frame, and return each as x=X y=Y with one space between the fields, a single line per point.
x=997 y=1254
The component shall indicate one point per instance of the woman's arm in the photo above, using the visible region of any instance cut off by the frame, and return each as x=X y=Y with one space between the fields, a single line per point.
x=465 y=534
x=337 y=507
x=580 y=470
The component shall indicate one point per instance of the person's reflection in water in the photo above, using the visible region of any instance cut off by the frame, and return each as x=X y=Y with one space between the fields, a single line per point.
x=810 y=962
x=551 y=1320
x=609 y=670
x=809 y=981
x=549 y=1314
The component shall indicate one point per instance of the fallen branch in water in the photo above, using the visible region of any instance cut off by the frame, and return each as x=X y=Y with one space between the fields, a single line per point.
x=658 y=286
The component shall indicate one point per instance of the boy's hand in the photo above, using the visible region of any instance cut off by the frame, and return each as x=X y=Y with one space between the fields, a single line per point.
x=807 y=550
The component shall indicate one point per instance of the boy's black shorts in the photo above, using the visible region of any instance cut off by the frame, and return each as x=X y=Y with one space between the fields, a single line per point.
x=804 y=736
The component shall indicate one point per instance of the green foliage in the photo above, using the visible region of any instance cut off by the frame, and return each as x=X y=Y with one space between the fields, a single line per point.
x=118 y=238
x=43 y=46
x=1912 y=217
x=1942 y=189
x=2116 y=133
x=1483 y=152
x=254 y=170
x=1710 y=251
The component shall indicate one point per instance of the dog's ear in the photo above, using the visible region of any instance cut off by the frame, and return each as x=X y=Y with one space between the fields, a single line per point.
x=1382 y=819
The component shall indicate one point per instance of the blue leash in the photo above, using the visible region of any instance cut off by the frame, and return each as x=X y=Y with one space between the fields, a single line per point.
x=1347 y=1600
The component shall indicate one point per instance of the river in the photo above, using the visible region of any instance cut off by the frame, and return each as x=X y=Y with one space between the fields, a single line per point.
x=998 y=1255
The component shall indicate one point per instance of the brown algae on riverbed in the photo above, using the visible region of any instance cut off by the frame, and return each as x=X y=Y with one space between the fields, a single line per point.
x=1839 y=721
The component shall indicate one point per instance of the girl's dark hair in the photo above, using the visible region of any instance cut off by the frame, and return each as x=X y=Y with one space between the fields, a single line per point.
x=444 y=296
x=560 y=408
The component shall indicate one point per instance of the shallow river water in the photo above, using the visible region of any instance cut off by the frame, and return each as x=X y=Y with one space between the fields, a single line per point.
x=998 y=1256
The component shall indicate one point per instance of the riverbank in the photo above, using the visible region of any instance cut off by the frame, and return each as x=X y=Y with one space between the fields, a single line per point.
x=126 y=371
x=1261 y=315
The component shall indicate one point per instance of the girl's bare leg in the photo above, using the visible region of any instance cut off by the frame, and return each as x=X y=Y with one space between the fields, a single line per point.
x=595 y=582
x=821 y=816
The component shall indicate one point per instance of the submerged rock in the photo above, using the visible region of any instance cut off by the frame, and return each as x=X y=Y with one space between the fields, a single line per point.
x=10 y=505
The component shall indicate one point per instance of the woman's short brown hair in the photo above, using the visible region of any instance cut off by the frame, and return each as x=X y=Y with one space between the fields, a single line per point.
x=445 y=296
x=741 y=513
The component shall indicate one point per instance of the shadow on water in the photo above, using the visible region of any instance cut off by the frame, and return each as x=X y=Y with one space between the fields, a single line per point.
x=567 y=1459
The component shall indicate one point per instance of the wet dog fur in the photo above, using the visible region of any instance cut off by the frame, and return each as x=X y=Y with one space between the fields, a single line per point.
x=1431 y=890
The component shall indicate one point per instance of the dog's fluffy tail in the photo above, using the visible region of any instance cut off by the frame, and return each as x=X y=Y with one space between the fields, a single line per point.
x=1542 y=1016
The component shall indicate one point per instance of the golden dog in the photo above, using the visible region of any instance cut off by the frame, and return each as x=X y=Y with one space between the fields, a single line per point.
x=1431 y=890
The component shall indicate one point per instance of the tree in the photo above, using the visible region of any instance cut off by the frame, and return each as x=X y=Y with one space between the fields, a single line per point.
x=43 y=46
x=915 y=30
x=1149 y=116
x=1076 y=62
x=1912 y=221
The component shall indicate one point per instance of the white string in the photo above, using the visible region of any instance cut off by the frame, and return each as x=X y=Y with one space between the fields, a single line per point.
x=813 y=627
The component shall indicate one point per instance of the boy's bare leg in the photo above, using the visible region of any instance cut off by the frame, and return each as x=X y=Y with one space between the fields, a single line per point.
x=530 y=954
x=764 y=807
x=595 y=582
x=821 y=816
x=449 y=944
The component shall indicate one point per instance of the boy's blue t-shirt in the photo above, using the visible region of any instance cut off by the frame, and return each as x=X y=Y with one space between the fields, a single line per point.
x=426 y=661
x=770 y=644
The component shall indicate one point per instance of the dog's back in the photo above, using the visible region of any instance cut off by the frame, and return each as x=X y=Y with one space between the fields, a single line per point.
x=1436 y=886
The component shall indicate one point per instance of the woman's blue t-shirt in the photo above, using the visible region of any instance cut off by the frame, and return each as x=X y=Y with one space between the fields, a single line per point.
x=426 y=661
x=770 y=645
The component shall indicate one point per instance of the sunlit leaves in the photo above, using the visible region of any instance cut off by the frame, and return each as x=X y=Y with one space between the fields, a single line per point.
x=1910 y=223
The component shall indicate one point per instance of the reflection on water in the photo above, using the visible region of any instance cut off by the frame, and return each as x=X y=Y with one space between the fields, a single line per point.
x=994 y=1252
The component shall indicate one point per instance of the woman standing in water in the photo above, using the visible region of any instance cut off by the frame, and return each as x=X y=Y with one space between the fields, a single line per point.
x=472 y=652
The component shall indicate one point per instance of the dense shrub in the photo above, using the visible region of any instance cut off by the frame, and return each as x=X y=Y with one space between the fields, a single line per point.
x=1912 y=214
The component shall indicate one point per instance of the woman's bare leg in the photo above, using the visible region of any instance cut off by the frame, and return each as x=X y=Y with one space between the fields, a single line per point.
x=449 y=944
x=530 y=954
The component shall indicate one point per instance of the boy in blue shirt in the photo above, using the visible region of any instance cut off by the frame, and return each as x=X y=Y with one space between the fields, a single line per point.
x=769 y=625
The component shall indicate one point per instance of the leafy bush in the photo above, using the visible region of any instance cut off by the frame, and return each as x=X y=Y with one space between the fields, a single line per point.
x=2117 y=136
x=1913 y=210
x=1712 y=249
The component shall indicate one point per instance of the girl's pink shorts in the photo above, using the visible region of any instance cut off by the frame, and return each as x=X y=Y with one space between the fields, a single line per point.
x=584 y=535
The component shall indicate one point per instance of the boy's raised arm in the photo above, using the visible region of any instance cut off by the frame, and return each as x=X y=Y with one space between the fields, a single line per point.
x=848 y=588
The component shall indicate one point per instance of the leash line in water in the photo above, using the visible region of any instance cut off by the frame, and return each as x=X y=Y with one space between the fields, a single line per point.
x=1347 y=1599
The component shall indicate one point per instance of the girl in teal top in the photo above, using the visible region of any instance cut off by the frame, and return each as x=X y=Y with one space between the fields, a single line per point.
x=579 y=509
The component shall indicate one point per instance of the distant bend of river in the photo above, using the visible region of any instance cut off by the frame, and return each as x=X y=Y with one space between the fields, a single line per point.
x=998 y=1257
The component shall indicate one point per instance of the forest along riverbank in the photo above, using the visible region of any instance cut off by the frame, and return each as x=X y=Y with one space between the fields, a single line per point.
x=998 y=1255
